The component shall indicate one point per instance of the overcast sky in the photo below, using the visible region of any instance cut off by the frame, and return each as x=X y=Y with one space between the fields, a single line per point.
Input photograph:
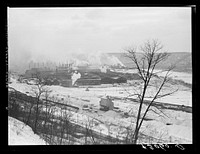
x=55 y=33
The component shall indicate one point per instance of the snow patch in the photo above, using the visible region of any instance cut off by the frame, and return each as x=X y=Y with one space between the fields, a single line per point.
x=21 y=134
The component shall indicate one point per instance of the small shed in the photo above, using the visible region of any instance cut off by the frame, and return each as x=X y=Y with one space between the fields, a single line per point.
x=106 y=104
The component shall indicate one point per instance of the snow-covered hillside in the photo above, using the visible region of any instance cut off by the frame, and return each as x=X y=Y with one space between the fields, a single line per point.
x=172 y=126
x=186 y=77
x=21 y=134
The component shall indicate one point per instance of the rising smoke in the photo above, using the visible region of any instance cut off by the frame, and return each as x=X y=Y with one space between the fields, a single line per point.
x=21 y=62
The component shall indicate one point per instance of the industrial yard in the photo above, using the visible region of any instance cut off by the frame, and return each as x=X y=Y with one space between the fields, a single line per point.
x=100 y=76
x=111 y=109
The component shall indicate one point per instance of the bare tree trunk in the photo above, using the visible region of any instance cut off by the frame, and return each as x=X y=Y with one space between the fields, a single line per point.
x=36 y=115
x=138 y=116
x=29 y=114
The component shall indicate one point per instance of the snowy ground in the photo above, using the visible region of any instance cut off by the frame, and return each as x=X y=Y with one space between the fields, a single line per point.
x=186 y=77
x=21 y=134
x=183 y=96
x=178 y=130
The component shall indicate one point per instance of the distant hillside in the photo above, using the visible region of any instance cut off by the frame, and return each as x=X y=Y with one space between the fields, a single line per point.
x=183 y=61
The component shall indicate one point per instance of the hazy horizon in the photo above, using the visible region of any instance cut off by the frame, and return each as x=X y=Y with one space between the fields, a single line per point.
x=55 y=34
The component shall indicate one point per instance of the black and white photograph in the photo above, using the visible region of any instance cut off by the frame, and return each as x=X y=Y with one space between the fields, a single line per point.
x=100 y=75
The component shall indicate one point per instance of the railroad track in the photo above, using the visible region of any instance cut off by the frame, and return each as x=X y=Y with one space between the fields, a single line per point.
x=159 y=105
x=78 y=127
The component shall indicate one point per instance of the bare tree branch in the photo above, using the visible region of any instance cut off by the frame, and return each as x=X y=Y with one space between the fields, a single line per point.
x=155 y=97
x=131 y=54
x=167 y=94
x=158 y=113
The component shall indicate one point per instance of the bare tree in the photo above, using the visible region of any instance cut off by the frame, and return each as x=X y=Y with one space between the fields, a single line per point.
x=88 y=131
x=47 y=106
x=146 y=61
x=64 y=118
x=30 y=111
x=38 y=90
